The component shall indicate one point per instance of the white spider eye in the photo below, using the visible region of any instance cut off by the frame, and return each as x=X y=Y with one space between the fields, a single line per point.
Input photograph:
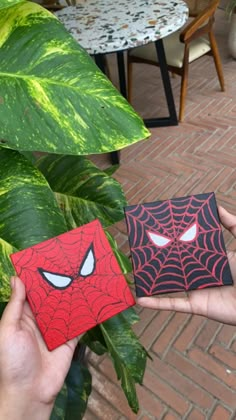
x=56 y=280
x=88 y=263
x=158 y=239
x=189 y=234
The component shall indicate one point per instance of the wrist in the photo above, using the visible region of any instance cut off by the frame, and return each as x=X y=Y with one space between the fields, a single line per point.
x=21 y=406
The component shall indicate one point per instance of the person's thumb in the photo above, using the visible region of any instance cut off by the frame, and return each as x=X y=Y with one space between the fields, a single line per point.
x=228 y=220
x=13 y=312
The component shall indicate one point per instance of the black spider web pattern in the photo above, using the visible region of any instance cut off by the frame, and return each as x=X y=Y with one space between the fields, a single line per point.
x=180 y=265
x=63 y=314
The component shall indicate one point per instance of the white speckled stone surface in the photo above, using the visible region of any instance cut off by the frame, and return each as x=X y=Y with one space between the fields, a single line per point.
x=103 y=26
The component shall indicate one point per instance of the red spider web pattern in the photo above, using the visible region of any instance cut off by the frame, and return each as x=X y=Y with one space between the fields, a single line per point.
x=180 y=265
x=87 y=301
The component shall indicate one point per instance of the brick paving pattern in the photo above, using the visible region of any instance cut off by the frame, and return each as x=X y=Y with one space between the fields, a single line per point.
x=192 y=375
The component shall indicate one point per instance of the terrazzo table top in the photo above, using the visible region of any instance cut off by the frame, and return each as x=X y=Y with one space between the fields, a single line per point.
x=103 y=26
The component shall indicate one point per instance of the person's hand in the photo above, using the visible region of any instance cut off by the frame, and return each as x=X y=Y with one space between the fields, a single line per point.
x=218 y=303
x=30 y=375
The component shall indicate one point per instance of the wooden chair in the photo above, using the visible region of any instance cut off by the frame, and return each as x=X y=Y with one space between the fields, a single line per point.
x=51 y=5
x=54 y=5
x=183 y=47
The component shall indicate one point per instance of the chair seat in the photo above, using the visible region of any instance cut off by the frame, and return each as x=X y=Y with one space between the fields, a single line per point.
x=200 y=22
x=174 y=50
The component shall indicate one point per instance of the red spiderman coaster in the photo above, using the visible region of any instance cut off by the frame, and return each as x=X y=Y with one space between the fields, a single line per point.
x=177 y=245
x=73 y=282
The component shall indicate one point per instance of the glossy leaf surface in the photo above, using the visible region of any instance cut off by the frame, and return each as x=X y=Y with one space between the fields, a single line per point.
x=129 y=357
x=29 y=212
x=59 y=409
x=6 y=270
x=83 y=191
x=9 y=3
x=53 y=97
x=78 y=383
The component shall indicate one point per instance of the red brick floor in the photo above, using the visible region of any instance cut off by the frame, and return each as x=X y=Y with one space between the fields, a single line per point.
x=193 y=371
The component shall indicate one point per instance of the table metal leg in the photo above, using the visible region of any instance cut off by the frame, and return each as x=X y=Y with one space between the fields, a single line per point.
x=101 y=63
x=153 y=122
x=172 y=119
x=121 y=71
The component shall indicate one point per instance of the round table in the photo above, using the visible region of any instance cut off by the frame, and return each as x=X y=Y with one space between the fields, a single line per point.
x=114 y=26
x=104 y=26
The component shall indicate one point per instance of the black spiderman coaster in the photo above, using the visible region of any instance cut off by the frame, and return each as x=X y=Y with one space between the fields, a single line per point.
x=177 y=245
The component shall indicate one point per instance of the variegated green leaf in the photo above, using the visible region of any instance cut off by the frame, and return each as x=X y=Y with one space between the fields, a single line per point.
x=6 y=269
x=94 y=338
x=78 y=383
x=28 y=210
x=122 y=342
x=9 y=3
x=83 y=191
x=95 y=341
x=122 y=259
x=131 y=316
x=30 y=156
x=59 y=409
x=128 y=386
x=53 y=98
x=129 y=356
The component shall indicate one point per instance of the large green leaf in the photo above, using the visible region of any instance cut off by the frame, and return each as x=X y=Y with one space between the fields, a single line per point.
x=83 y=191
x=9 y=3
x=128 y=355
x=59 y=409
x=123 y=260
x=28 y=210
x=131 y=316
x=6 y=269
x=122 y=342
x=71 y=402
x=78 y=383
x=52 y=95
x=128 y=385
x=95 y=341
x=30 y=156
x=94 y=338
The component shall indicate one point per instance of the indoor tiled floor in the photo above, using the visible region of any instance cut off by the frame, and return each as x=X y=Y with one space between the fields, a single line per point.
x=192 y=374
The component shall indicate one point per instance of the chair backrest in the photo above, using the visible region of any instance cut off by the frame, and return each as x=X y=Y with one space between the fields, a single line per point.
x=202 y=23
x=51 y=5
x=197 y=6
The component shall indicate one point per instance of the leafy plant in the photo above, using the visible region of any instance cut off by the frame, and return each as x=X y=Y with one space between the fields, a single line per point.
x=53 y=99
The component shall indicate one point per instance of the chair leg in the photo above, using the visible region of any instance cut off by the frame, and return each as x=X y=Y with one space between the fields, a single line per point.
x=217 y=60
x=107 y=69
x=129 y=78
x=184 y=83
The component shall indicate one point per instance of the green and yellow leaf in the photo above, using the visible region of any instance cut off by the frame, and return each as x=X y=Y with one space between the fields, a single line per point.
x=128 y=355
x=78 y=383
x=123 y=260
x=94 y=339
x=83 y=191
x=9 y=3
x=59 y=409
x=53 y=97
x=28 y=210
x=6 y=270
